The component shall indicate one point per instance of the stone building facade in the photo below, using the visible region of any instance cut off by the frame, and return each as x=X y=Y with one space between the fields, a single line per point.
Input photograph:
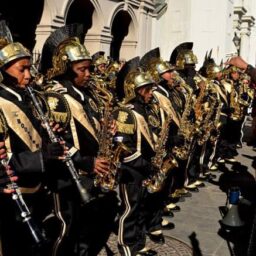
x=128 y=28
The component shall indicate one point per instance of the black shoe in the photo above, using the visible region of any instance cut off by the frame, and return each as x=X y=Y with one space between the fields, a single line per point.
x=192 y=188
x=231 y=160
x=173 y=207
x=199 y=184
x=210 y=176
x=239 y=145
x=149 y=252
x=168 y=226
x=168 y=213
x=183 y=192
x=158 y=239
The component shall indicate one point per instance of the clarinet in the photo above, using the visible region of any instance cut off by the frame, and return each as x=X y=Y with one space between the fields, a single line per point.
x=85 y=196
x=25 y=213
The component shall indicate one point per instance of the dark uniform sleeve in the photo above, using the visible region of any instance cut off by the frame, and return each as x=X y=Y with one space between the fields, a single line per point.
x=251 y=71
x=85 y=163
x=27 y=162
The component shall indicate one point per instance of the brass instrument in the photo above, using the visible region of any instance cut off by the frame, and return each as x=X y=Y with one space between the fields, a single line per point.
x=196 y=109
x=235 y=104
x=240 y=99
x=111 y=74
x=107 y=149
x=187 y=129
x=209 y=112
x=160 y=165
x=178 y=80
x=244 y=88
x=216 y=124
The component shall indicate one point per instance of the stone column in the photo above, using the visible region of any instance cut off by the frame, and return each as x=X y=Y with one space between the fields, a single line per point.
x=247 y=23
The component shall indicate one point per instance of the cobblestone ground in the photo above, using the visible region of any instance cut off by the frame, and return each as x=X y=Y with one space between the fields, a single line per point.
x=172 y=247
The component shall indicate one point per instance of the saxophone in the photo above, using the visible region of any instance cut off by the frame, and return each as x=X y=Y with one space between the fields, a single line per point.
x=161 y=166
x=186 y=129
x=207 y=124
x=235 y=104
x=107 y=149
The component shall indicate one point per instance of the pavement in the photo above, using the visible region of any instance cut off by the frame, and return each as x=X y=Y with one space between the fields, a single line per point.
x=198 y=222
x=198 y=230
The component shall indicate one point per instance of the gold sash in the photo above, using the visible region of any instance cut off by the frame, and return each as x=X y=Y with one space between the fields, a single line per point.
x=227 y=86
x=79 y=114
x=142 y=126
x=166 y=105
x=221 y=93
x=21 y=125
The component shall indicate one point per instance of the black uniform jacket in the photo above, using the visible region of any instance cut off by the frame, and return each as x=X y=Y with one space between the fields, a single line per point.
x=24 y=140
x=82 y=133
x=133 y=129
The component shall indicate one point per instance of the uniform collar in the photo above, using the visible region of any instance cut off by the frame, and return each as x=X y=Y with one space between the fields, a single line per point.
x=11 y=91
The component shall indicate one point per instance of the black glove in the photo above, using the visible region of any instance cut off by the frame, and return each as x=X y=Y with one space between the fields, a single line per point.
x=53 y=151
x=244 y=96
x=178 y=140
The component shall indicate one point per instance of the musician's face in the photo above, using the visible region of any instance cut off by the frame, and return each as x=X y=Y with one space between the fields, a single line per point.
x=82 y=71
x=20 y=69
x=167 y=75
x=102 y=68
x=146 y=92
x=235 y=75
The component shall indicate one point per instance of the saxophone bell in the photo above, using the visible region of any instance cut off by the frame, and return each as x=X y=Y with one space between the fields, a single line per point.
x=109 y=181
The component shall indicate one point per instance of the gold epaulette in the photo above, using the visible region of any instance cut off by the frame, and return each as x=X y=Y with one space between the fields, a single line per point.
x=125 y=120
x=55 y=86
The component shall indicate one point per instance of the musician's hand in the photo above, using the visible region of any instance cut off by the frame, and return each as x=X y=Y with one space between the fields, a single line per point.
x=56 y=127
x=56 y=150
x=238 y=62
x=2 y=150
x=113 y=127
x=6 y=176
x=101 y=166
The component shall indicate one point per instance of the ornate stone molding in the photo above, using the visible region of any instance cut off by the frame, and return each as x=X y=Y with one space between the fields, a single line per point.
x=239 y=12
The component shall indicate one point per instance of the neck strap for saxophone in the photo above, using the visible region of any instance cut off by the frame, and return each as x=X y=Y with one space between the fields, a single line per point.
x=79 y=114
x=166 y=105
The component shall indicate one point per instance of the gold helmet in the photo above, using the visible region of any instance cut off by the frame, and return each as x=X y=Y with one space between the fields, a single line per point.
x=13 y=51
x=69 y=50
x=133 y=81
x=152 y=62
x=185 y=57
x=182 y=55
x=64 y=45
x=212 y=70
x=98 y=58
x=233 y=69
x=158 y=67
x=5 y=34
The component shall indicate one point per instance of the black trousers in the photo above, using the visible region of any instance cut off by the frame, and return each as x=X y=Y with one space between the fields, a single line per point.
x=193 y=164
x=97 y=220
x=132 y=221
x=15 y=234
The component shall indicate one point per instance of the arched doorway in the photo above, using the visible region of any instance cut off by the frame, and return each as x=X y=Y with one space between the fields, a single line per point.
x=120 y=29
x=81 y=11
x=22 y=18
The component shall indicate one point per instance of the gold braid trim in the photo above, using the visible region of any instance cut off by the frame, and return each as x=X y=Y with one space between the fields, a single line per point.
x=125 y=128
